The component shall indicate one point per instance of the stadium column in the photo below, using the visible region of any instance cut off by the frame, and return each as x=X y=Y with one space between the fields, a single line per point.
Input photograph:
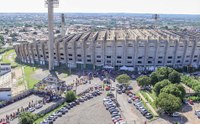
x=193 y=50
x=185 y=49
x=166 y=49
x=84 y=52
x=125 y=51
x=93 y=53
x=146 y=46
x=175 y=53
x=136 y=51
x=156 y=51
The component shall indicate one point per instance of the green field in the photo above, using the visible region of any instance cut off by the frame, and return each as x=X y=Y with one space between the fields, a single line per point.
x=6 y=59
x=27 y=76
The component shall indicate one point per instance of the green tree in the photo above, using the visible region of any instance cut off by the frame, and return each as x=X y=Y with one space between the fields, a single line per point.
x=1 y=39
x=174 y=89
x=70 y=96
x=27 y=118
x=163 y=73
x=143 y=80
x=158 y=86
x=174 y=77
x=124 y=79
x=154 y=78
x=168 y=102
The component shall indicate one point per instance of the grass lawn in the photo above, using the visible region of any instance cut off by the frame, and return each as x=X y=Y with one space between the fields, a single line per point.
x=38 y=121
x=5 y=58
x=27 y=76
x=152 y=94
x=147 y=98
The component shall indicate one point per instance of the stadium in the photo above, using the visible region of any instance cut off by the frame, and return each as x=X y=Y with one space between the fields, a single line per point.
x=129 y=49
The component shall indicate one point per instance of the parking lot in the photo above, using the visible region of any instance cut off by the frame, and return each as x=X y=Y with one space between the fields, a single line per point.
x=89 y=112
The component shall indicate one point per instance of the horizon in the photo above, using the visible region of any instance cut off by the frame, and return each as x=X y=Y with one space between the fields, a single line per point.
x=97 y=13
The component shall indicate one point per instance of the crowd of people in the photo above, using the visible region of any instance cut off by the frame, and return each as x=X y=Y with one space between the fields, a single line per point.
x=15 y=114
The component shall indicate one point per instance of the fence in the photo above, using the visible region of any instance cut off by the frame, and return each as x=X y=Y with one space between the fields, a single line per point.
x=17 y=97
x=51 y=108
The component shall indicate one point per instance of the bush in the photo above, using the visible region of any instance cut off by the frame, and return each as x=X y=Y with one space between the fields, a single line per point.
x=27 y=118
x=70 y=96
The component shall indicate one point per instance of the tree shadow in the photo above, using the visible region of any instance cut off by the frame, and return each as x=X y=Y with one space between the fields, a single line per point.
x=181 y=119
x=186 y=108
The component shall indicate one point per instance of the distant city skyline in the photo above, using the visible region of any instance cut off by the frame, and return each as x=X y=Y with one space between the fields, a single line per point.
x=105 y=6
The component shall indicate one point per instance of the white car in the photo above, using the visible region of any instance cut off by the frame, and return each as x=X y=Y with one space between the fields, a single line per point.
x=196 y=112
x=175 y=114
x=38 y=106
x=31 y=109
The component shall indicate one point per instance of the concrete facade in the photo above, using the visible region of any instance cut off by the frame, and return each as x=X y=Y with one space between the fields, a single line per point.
x=138 y=48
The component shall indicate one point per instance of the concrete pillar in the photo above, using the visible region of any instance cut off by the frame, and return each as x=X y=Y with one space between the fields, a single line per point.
x=166 y=49
x=51 y=35
x=63 y=24
x=193 y=50
x=185 y=50
x=175 y=53
x=146 y=46
x=135 y=51
x=156 y=51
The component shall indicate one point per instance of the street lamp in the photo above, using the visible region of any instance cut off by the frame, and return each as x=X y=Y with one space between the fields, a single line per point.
x=50 y=4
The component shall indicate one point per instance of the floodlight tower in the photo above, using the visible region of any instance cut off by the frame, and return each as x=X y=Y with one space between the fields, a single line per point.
x=63 y=24
x=155 y=18
x=51 y=4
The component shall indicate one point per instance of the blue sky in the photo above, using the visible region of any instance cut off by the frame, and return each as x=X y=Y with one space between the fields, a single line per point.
x=105 y=6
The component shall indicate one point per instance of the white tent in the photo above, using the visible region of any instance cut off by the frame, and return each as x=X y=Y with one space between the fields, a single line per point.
x=108 y=67
x=123 y=68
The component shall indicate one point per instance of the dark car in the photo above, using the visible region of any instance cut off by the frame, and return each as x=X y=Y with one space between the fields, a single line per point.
x=129 y=88
x=148 y=115
x=71 y=105
x=143 y=111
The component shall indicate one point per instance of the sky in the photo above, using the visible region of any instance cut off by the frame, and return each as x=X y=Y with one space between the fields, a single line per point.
x=106 y=6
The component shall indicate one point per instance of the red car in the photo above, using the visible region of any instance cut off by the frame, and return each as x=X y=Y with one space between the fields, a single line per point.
x=107 y=88
x=135 y=97
x=116 y=120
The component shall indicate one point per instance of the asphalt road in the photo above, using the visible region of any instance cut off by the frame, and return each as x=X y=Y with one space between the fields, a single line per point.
x=14 y=106
x=89 y=112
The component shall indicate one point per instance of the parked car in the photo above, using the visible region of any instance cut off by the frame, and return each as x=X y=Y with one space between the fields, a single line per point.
x=129 y=100
x=32 y=109
x=175 y=114
x=37 y=106
x=149 y=116
x=119 y=91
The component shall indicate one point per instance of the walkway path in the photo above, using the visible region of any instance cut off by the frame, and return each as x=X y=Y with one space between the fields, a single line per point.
x=148 y=105
x=188 y=89
x=152 y=100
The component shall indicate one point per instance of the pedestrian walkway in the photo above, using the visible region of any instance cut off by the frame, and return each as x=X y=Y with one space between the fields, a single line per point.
x=148 y=105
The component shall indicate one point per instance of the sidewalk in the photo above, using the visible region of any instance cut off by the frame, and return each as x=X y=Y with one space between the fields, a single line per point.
x=148 y=105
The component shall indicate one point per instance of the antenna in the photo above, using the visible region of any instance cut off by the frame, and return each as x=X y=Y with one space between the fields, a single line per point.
x=50 y=4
